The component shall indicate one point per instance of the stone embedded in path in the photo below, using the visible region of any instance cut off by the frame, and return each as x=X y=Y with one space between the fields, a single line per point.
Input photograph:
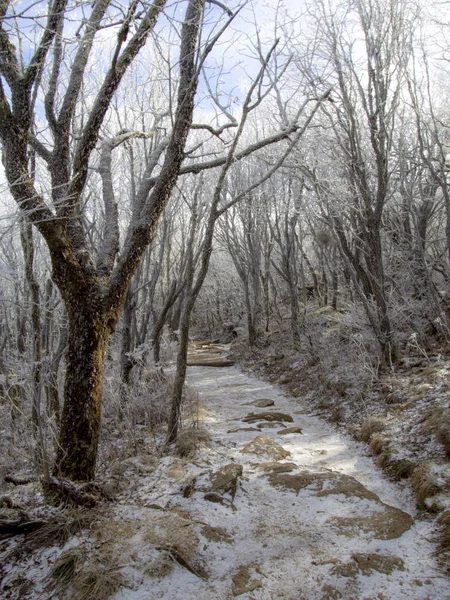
x=225 y=479
x=263 y=403
x=270 y=425
x=378 y=562
x=277 y=467
x=367 y=564
x=389 y=523
x=264 y=446
x=242 y=429
x=267 y=416
x=290 y=430
x=370 y=515
x=215 y=497
x=209 y=362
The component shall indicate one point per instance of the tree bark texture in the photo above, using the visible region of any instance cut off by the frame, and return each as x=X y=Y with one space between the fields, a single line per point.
x=88 y=340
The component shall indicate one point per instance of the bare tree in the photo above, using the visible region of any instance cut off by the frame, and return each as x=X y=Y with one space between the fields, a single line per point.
x=363 y=116
x=93 y=292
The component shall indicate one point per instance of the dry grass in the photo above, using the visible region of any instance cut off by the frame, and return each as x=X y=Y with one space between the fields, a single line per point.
x=370 y=426
x=190 y=440
x=82 y=575
x=437 y=422
x=337 y=414
x=96 y=581
x=161 y=566
x=55 y=532
x=65 y=569
x=443 y=434
x=444 y=536
x=378 y=443
x=424 y=484
x=384 y=458
x=400 y=468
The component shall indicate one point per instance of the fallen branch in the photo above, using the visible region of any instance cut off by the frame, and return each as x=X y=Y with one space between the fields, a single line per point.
x=19 y=480
x=206 y=363
x=24 y=525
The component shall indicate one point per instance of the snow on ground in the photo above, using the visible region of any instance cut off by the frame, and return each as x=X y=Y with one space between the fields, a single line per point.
x=321 y=523
x=284 y=544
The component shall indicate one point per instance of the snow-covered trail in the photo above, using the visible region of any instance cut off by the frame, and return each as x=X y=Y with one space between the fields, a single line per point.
x=292 y=539
x=321 y=523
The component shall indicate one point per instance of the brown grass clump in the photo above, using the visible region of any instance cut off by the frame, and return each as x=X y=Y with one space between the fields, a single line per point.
x=400 y=468
x=443 y=435
x=444 y=537
x=438 y=423
x=424 y=484
x=96 y=581
x=337 y=414
x=65 y=569
x=384 y=458
x=370 y=426
x=161 y=566
x=378 y=443
x=55 y=532
x=189 y=441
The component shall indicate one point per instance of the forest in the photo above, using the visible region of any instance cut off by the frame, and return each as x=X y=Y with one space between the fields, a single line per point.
x=198 y=195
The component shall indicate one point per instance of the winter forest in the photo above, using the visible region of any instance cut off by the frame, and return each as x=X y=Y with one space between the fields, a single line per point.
x=215 y=211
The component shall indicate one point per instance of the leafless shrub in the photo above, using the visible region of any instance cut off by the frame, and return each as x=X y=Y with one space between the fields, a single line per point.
x=136 y=427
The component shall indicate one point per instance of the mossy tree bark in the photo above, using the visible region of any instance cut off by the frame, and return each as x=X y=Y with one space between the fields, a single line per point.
x=88 y=340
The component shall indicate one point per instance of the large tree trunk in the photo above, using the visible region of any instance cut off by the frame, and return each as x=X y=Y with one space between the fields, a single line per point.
x=88 y=340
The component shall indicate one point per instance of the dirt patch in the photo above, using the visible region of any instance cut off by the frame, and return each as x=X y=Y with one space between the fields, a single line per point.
x=378 y=562
x=244 y=580
x=216 y=534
